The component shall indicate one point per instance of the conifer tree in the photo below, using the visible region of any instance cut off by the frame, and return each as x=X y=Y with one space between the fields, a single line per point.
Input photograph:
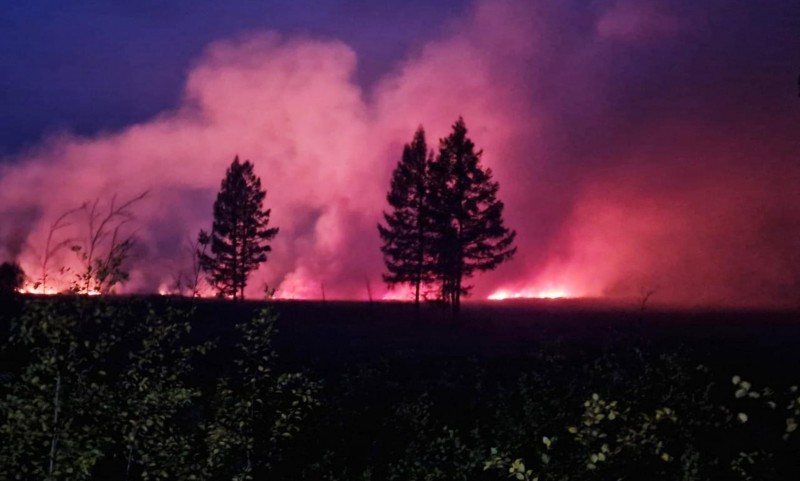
x=467 y=217
x=239 y=236
x=406 y=234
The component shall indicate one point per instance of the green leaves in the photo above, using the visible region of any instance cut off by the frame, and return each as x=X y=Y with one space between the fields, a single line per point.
x=150 y=394
x=130 y=397
x=255 y=410
x=109 y=380
x=44 y=408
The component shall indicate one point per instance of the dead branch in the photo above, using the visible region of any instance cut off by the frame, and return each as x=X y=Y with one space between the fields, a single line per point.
x=197 y=250
x=105 y=271
x=644 y=296
x=51 y=249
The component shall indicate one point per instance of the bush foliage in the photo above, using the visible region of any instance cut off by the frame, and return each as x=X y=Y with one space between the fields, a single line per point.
x=111 y=390
x=118 y=389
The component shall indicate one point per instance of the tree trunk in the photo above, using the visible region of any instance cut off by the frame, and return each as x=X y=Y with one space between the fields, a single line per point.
x=54 y=437
x=457 y=290
x=416 y=297
x=130 y=457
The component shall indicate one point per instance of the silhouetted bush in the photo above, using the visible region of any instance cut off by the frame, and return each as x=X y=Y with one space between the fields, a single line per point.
x=12 y=278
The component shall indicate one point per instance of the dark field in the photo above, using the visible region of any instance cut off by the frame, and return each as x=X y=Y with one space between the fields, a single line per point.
x=512 y=390
x=325 y=333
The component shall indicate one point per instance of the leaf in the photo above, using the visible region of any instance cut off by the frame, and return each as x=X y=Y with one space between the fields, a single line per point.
x=742 y=417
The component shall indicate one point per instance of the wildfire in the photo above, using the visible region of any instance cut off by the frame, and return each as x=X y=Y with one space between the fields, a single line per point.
x=549 y=293
x=399 y=294
x=38 y=291
x=29 y=289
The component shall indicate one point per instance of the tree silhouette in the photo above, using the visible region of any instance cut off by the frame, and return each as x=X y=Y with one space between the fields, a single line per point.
x=239 y=234
x=406 y=235
x=467 y=216
x=12 y=278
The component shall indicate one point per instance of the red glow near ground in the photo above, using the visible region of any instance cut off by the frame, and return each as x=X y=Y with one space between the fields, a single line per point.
x=549 y=293
x=399 y=294
x=38 y=291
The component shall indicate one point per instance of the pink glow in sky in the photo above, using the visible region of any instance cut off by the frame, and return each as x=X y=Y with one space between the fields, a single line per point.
x=665 y=181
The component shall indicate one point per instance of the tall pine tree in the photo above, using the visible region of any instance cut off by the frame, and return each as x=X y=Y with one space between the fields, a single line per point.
x=239 y=235
x=406 y=235
x=467 y=217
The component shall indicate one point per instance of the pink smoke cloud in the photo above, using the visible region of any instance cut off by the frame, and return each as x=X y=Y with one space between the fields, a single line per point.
x=324 y=154
x=608 y=191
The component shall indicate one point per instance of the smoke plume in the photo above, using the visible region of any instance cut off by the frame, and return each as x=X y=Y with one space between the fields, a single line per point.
x=638 y=145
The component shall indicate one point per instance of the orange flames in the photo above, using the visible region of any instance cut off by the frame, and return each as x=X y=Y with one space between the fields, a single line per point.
x=547 y=293
x=403 y=293
x=33 y=289
x=30 y=289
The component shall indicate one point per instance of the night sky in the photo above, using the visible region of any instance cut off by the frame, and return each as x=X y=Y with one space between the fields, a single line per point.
x=638 y=143
x=89 y=66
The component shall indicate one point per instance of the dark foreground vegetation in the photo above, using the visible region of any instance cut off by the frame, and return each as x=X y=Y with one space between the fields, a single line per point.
x=179 y=389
